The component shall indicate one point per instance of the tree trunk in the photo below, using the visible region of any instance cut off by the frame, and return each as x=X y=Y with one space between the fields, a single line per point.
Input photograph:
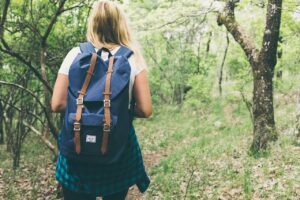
x=16 y=158
x=208 y=44
x=298 y=116
x=263 y=112
x=8 y=129
x=1 y=123
x=222 y=65
x=263 y=62
x=46 y=91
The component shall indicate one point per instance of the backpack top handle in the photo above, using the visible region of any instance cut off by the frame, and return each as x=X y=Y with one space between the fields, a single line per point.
x=88 y=47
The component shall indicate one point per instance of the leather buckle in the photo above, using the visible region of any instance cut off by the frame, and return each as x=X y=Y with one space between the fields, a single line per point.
x=76 y=126
x=111 y=71
x=106 y=127
x=90 y=73
x=106 y=93
x=106 y=103
x=79 y=92
x=79 y=101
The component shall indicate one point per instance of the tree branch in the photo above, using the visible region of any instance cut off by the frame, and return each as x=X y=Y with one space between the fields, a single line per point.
x=19 y=109
x=152 y=56
x=79 y=5
x=24 y=89
x=47 y=142
x=3 y=17
x=53 y=20
x=184 y=17
x=271 y=34
x=248 y=105
x=227 y=18
x=53 y=129
x=16 y=55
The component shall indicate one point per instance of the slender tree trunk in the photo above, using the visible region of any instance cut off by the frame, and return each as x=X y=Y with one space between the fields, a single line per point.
x=222 y=65
x=16 y=157
x=199 y=57
x=9 y=129
x=208 y=43
x=298 y=116
x=19 y=132
x=46 y=91
x=1 y=123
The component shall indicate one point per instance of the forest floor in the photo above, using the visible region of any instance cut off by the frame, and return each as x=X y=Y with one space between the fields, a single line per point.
x=189 y=154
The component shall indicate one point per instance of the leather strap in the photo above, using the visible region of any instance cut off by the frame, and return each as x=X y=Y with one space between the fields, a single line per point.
x=106 y=104
x=80 y=105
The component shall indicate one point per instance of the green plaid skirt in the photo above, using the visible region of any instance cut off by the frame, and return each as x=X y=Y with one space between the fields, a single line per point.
x=105 y=179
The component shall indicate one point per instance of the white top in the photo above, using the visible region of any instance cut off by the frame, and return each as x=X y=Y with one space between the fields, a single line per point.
x=136 y=68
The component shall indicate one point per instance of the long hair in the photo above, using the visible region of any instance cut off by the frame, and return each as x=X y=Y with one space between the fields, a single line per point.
x=107 y=24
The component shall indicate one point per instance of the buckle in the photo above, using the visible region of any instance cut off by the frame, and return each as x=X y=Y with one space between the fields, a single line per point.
x=106 y=127
x=90 y=73
x=106 y=103
x=76 y=126
x=106 y=93
x=79 y=101
x=111 y=71
x=79 y=92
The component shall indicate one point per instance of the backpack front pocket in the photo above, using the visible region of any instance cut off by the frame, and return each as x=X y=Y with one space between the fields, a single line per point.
x=91 y=131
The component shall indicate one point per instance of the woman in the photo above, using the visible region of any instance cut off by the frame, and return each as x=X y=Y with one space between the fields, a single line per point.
x=107 y=28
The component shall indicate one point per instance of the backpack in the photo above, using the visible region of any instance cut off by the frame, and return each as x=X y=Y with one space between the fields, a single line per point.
x=98 y=115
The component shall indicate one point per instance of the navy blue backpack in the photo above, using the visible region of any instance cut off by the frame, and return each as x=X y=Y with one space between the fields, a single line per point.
x=98 y=117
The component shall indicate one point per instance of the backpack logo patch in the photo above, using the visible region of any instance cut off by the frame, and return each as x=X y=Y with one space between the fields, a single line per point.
x=91 y=138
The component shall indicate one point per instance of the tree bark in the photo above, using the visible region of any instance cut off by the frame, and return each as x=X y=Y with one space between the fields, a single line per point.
x=298 y=116
x=208 y=44
x=46 y=91
x=222 y=65
x=1 y=123
x=263 y=110
x=8 y=119
x=264 y=129
x=263 y=63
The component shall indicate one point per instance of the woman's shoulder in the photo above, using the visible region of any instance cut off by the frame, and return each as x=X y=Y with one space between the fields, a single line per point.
x=74 y=50
x=69 y=58
x=137 y=65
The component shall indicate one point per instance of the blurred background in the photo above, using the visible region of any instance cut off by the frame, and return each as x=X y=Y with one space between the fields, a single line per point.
x=200 y=141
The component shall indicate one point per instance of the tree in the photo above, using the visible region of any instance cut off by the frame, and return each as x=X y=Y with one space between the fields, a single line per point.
x=263 y=63
x=28 y=29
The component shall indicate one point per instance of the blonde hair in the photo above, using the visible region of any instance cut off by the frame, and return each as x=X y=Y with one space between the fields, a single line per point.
x=107 y=25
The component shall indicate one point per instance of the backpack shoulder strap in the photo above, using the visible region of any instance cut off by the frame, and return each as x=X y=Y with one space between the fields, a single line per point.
x=124 y=51
x=79 y=102
x=87 y=47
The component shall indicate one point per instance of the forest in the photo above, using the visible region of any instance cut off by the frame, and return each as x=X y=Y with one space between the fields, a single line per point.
x=225 y=86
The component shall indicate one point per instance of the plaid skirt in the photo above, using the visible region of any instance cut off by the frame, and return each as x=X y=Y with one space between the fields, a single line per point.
x=103 y=180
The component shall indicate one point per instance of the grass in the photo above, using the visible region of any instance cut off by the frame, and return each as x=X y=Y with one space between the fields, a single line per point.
x=205 y=156
x=34 y=179
x=208 y=157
